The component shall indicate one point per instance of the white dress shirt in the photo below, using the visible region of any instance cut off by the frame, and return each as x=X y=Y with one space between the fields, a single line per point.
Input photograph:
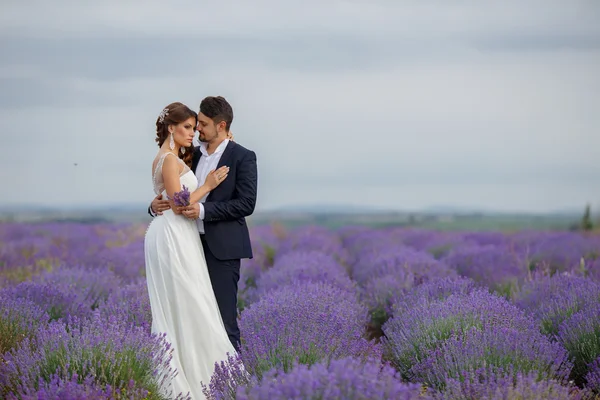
x=207 y=163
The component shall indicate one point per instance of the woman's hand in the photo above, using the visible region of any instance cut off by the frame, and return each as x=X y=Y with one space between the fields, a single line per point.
x=215 y=178
x=230 y=136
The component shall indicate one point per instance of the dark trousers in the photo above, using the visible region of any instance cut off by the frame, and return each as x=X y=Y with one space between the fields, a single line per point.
x=224 y=277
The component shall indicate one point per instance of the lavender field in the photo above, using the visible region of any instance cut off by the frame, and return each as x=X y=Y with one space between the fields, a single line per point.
x=355 y=313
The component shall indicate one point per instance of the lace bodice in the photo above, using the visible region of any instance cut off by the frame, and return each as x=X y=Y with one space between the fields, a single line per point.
x=157 y=177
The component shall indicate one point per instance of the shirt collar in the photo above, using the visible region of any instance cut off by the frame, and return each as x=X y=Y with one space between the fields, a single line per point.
x=219 y=149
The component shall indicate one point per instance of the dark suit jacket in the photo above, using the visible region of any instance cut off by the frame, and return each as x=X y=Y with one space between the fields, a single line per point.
x=226 y=207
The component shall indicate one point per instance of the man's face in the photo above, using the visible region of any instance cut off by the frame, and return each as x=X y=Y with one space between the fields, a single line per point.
x=207 y=130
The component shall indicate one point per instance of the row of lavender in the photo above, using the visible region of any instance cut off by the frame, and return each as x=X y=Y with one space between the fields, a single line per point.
x=453 y=308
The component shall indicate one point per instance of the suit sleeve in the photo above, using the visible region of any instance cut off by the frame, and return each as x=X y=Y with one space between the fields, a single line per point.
x=245 y=186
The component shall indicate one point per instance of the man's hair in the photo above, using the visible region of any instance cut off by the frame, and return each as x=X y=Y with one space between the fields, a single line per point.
x=217 y=109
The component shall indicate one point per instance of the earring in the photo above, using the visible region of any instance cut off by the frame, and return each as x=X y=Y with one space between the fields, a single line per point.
x=172 y=143
x=182 y=150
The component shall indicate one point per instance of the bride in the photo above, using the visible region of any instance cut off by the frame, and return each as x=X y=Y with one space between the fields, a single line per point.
x=181 y=296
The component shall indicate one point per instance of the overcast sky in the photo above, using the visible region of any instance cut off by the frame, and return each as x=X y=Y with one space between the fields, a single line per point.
x=392 y=104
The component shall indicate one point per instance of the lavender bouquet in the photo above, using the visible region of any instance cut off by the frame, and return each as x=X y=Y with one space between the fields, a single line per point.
x=182 y=198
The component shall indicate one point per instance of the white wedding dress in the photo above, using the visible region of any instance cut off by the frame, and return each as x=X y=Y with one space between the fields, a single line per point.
x=181 y=295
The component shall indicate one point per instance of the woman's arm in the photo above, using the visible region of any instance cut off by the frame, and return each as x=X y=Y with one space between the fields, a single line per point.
x=213 y=179
x=170 y=174
x=171 y=171
x=199 y=193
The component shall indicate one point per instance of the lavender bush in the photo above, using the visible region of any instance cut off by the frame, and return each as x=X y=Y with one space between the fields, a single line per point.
x=438 y=244
x=493 y=266
x=552 y=299
x=304 y=323
x=98 y=350
x=19 y=319
x=592 y=378
x=580 y=335
x=76 y=389
x=314 y=238
x=436 y=289
x=378 y=294
x=303 y=266
x=397 y=260
x=130 y=305
x=343 y=379
x=227 y=377
x=424 y=343
x=94 y=286
x=386 y=275
x=75 y=315
x=493 y=351
x=487 y=385
x=556 y=251
x=57 y=302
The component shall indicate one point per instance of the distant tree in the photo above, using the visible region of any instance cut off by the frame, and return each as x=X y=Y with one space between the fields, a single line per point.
x=586 y=221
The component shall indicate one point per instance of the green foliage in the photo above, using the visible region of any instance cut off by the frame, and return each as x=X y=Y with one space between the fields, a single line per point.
x=586 y=220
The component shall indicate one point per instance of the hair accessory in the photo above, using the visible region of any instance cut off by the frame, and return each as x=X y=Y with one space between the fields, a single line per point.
x=162 y=115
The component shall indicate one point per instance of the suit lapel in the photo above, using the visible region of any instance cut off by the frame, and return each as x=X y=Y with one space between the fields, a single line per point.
x=196 y=158
x=226 y=154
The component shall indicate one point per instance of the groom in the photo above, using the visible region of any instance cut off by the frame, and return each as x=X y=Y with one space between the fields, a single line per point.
x=220 y=216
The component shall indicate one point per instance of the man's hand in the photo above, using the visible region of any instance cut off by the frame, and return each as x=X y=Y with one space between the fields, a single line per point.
x=159 y=205
x=192 y=211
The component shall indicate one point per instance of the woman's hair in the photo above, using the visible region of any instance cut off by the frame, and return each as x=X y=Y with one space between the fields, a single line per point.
x=173 y=114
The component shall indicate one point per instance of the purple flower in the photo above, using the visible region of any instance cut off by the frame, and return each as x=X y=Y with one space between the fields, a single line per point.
x=551 y=300
x=592 y=378
x=493 y=266
x=304 y=266
x=19 y=319
x=101 y=350
x=364 y=245
x=395 y=260
x=487 y=238
x=58 y=388
x=344 y=379
x=310 y=298
x=266 y=240
x=130 y=305
x=412 y=336
x=227 y=376
x=314 y=238
x=32 y=249
x=182 y=198
x=57 y=302
x=493 y=351
x=556 y=251
x=379 y=293
x=303 y=323
x=487 y=385
x=432 y=291
x=592 y=269
x=93 y=285
x=580 y=335
x=438 y=244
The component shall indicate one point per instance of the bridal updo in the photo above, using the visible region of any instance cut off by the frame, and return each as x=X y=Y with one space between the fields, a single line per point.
x=173 y=114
